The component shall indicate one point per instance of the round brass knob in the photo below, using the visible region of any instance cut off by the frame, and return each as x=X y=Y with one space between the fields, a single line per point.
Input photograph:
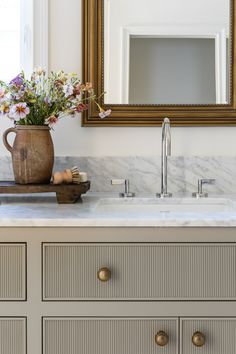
x=161 y=338
x=104 y=274
x=198 y=339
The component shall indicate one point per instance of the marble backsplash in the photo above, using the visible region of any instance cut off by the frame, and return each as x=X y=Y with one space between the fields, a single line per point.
x=144 y=172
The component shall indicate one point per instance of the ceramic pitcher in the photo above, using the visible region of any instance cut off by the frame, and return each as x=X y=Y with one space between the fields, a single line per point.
x=32 y=153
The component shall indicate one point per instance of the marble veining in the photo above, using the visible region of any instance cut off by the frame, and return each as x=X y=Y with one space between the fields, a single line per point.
x=144 y=172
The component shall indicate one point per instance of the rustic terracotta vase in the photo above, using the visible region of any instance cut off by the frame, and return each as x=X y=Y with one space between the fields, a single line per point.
x=32 y=153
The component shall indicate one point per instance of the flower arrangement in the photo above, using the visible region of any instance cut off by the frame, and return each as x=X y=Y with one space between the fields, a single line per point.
x=43 y=100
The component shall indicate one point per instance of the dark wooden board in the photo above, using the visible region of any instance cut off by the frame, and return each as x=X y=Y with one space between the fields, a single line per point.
x=65 y=193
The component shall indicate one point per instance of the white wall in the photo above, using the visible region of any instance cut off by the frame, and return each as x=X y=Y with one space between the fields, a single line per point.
x=71 y=139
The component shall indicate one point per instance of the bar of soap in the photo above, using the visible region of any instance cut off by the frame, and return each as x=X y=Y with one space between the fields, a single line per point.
x=83 y=177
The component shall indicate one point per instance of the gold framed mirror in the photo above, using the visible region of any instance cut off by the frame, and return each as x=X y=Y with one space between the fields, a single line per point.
x=216 y=43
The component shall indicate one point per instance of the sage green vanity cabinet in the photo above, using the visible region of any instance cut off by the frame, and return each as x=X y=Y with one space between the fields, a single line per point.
x=12 y=335
x=117 y=290
x=138 y=336
x=140 y=271
x=216 y=336
x=110 y=336
x=12 y=271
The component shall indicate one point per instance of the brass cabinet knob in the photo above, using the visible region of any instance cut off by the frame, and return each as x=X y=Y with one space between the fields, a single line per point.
x=198 y=339
x=104 y=274
x=161 y=338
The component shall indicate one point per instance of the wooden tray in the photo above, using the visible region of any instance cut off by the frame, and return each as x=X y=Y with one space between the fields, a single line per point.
x=65 y=193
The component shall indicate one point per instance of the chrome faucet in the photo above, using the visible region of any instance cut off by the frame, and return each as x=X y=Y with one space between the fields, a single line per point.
x=165 y=151
x=127 y=193
x=200 y=193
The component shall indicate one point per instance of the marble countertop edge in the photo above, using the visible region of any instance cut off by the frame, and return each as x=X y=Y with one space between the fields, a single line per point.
x=27 y=212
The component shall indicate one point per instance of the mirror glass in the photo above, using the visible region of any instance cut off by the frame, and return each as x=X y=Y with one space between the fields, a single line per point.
x=167 y=52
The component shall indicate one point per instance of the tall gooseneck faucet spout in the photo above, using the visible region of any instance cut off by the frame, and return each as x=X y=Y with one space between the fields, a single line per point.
x=165 y=151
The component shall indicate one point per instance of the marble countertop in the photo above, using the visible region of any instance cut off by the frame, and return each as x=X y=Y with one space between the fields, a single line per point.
x=43 y=211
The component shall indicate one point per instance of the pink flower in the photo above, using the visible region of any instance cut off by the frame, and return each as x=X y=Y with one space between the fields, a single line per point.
x=58 y=83
x=103 y=113
x=77 y=90
x=81 y=107
x=52 y=120
x=2 y=93
x=86 y=87
x=19 y=111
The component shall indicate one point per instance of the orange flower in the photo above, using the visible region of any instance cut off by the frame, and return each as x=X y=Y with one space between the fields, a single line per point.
x=88 y=86
x=4 y=108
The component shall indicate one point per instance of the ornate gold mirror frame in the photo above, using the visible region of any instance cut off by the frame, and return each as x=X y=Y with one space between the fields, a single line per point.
x=146 y=115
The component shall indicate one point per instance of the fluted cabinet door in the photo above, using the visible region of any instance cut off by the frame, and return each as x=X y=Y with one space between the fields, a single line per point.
x=153 y=271
x=13 y=271
x=12 y=336
x=219 y=334
x=108 y=336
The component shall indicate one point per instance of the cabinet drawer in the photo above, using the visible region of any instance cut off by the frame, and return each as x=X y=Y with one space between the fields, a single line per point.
x=139 y=271
x=108 y=336
x=12 y=335
x=218 y=335
x=12 y=271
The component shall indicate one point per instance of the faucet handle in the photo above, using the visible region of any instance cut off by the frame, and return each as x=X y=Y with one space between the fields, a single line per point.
x=127 y=193
x=200 y=193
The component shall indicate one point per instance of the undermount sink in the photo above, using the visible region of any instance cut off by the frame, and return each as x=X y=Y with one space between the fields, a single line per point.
x=174 y=205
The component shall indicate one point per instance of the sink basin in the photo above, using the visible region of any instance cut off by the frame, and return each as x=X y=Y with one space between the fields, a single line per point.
x=174 y=205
